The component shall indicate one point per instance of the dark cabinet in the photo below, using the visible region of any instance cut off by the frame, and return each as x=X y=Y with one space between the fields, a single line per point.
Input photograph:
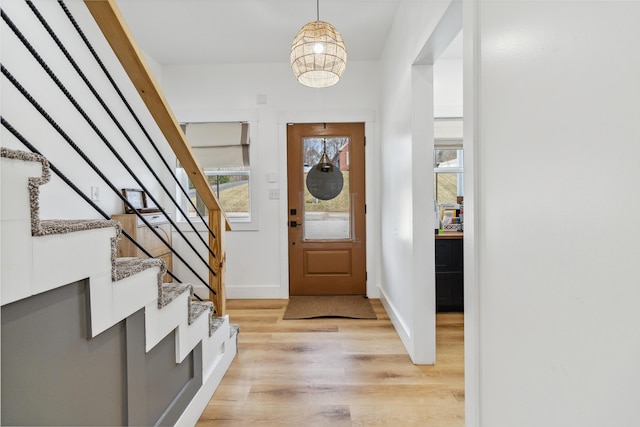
x=449 y=275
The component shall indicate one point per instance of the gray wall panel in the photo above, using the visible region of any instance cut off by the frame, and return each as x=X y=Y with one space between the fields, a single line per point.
x=165 y=379
x=51 y=373
x=159 y=389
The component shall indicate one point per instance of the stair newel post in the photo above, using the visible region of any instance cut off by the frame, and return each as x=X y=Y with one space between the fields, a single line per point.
x=217 y=223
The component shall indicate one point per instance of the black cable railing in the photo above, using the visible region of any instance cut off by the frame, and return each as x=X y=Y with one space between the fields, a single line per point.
x=79 y=192
x=107 y=110
x=105 y=141
x=135 y=117
x=84 y=157
x=100 y=135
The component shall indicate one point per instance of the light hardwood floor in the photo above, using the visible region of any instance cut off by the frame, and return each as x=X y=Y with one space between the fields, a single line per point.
x=335 y=372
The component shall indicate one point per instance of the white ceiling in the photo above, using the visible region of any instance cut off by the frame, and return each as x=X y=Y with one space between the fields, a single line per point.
x=251 y=31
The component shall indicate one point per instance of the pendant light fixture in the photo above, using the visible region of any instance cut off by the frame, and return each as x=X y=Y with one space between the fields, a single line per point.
x=318 y=54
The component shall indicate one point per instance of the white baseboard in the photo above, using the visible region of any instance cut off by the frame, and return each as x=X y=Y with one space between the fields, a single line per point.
x=396 y=320
x=199 y=402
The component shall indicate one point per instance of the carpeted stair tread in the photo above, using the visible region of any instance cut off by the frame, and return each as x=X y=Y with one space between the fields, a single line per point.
x=63 y=226
x=47 y=227
x=171 y=291
x=128 y=266
x=235 y=329
x=196 y=308
x=214 y=323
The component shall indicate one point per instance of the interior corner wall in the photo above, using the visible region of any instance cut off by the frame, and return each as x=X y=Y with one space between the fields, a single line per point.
x=557 y=158
x=268 y=94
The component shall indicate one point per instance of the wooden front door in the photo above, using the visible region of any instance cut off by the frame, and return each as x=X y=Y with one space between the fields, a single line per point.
x=327 y=250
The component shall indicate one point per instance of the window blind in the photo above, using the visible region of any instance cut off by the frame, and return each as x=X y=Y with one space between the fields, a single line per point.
x=447 y=133
x=219 y=144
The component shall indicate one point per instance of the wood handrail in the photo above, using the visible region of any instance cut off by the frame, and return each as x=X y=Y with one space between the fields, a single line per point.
x=113 y=26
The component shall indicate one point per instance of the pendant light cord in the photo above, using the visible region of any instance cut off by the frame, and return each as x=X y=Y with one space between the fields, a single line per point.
x=317 y=10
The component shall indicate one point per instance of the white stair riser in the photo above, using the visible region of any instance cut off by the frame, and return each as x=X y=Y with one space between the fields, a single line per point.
x=160 y=322
x=15 y=188
x=188 y=338
x=112 y=302
x=216 y=364
x=16 y=268
x=213 y=349
x=66 y=258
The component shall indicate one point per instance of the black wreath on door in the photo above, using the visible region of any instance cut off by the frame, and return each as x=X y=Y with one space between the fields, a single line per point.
x=324 y=180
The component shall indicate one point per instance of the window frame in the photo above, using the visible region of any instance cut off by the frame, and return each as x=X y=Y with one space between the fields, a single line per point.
x=459 y=170
x=237 y=223
x=448 y=136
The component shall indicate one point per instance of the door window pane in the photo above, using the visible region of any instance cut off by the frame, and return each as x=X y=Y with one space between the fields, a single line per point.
x=327 y=219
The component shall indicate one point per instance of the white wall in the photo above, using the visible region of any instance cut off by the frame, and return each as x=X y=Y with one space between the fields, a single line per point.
x=447 y=88
x=257 y=261
x=57 y=200
x=556 y=156
x=407 y=232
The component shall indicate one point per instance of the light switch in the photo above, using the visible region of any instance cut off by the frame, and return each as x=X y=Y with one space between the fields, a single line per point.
x=95 y=194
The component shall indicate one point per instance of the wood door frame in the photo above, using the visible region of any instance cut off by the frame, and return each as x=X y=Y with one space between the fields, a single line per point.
x=372 y=181
x=353 y=280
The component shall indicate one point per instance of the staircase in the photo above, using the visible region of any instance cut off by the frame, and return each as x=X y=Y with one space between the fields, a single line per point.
x=39 y=256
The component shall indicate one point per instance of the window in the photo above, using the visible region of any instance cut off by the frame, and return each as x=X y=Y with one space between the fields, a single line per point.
x=448 y=176
x=222 y=150
x=448 y=161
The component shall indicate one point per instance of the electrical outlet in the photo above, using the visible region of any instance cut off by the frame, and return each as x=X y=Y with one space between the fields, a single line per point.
x=274 y=193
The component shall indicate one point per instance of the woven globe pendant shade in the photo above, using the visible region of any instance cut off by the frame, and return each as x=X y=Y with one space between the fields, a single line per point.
x=318 y=55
